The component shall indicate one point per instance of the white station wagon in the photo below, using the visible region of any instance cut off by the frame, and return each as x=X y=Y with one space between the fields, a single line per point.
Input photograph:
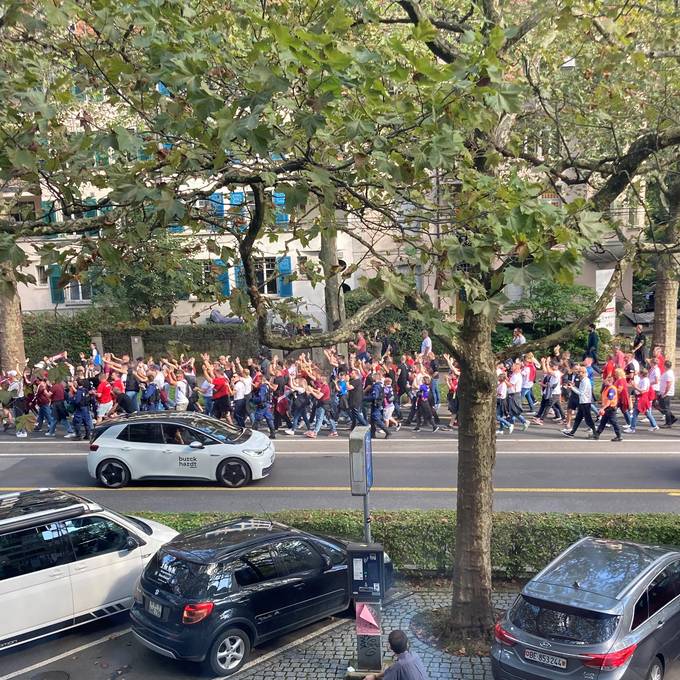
x=66 y=561
x=177 y=445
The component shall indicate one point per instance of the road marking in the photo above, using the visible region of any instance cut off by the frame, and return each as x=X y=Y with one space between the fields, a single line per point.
x=291 y=645
x=59 y=657
x=344 y=489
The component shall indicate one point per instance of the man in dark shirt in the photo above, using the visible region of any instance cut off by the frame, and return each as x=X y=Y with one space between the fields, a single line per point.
x=640 y=346
x=356 y=398
x=593 y=344
x=407 y=665
x=123 y=403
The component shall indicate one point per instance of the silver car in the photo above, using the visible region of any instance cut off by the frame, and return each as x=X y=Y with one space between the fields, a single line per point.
x=170 y=445
x=602 y=610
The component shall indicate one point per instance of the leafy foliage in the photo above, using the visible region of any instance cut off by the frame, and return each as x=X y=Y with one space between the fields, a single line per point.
x=522 y=543
x=551 y=305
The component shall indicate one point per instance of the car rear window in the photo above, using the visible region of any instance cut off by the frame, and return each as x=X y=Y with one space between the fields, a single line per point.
x=568 y=625
x=177 y=575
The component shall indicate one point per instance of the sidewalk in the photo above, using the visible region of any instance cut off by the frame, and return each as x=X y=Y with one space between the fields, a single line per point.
x=327 y=657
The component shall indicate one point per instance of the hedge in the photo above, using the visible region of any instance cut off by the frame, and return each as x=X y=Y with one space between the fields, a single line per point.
x=213 y=338
x=522 y=543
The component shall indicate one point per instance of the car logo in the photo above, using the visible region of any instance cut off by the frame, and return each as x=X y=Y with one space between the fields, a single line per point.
x=158 y=591
x=545 y=645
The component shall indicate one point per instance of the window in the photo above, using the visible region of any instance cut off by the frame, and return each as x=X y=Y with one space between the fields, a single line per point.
x=569 y=625
x=143 y=433
x=255 y=566
x=91 y=536
x=265 y=271
x=663 y=589
x=183 y=436
x=29 y=550
x=335 y=554
x=176 y=575
x=298 y=556
x=41 y=276
x=79 y=292
x=641 y=612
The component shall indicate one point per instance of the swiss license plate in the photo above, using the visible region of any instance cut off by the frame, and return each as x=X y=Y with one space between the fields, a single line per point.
x=154 y=608
x=547 y=659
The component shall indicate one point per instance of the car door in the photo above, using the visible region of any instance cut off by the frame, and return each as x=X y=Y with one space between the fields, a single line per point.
x=261 y=589
x=180 y=457
x=308 y=591
x=107 y=563
x=35 y=584
x=141 y=447
x=664 y=611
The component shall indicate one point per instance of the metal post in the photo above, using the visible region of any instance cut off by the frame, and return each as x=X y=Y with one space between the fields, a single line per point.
x=367 y=521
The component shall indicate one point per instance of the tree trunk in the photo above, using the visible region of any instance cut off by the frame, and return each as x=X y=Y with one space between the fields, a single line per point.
x=12 y=353
x=667 y=275
x=333 y=295
x=472 y=611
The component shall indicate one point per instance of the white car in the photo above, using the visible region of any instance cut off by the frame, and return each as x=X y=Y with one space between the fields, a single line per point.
x=177 y=445
x=66 y=561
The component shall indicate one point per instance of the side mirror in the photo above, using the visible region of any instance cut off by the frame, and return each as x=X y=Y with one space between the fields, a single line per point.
x=327 y=564
x=196 y=445
x=131 y=544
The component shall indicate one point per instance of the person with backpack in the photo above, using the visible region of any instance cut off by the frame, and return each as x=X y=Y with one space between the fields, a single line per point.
x=424 y=413
x=377 y=402
x=301 y=399
x=610 y=403
x=81 y=401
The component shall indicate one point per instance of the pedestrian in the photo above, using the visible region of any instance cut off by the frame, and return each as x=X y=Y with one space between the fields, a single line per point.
x=514 y=382
x=18 y=402
x=666 y=393
x=80 y=399
x=593 y=344
x=407 y=665
x=377 y=405
x=42 y=397
x=355 y=399
x=59 y=412
x=104 y=397
x=528 y=372
x=426 y=344
x=644 y=396
x=262 y=401
x=585 y=400
x=640 y=346
x=504 y=425
x=518 y=338
x=424 y=414
x=609 y=399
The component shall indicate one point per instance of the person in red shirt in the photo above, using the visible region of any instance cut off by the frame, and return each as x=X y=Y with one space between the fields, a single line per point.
x=623 y=393
x=116 y=381
x=104 y=397
x=609 y=368
x=360 y=347
x=59 y=409
x=43 y=400
x=619 y=357
x=221 y=394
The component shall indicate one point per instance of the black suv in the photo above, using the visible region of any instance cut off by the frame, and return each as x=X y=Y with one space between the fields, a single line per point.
x=210 y=595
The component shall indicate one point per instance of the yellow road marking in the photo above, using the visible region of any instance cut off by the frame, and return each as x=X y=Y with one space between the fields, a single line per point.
x=389 y=489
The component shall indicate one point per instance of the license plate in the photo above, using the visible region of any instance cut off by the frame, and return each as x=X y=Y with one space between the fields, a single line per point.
x=547 y=659
x=154 y=608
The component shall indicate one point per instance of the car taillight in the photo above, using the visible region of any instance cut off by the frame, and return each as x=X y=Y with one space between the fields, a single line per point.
x=503 y=636
x=608 y=662
x=94 y=447
x=193 y=613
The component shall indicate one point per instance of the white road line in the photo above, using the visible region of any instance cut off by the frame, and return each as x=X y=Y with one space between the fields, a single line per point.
x=291 y=645
x=59 y=657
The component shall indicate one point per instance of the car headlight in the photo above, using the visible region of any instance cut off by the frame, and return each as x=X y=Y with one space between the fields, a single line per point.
x=252 y=452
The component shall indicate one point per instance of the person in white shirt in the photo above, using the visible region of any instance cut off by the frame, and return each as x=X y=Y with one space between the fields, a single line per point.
x=181 y=397
x=426 y=344
x=16 y=389
x=585 y=399
x=515 y=396
x=666 y=392
x=501 y=401
x=654 y=374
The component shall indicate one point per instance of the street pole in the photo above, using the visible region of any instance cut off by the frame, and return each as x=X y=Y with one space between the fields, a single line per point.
x=367 y=521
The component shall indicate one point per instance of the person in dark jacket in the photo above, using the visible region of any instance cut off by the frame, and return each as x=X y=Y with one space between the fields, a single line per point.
x=407 y=665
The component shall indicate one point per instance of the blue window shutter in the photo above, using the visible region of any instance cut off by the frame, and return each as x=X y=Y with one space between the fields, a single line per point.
x=175 y=229
x=56 y=291
x=162 y=89
x=281 y=217
x=223 y=277
x=283 y=284
x=236 y=198
x=167 y=146
x=217 y=204
x=91 y=213
x=240 y=280
x=279 y=198
x=48 y=211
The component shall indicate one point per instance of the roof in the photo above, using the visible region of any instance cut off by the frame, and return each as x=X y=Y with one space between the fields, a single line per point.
x=19 y=507
x=216 y=541
x=600 y=567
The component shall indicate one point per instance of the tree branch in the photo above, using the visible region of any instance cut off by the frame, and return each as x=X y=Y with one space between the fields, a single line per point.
x=438 y=47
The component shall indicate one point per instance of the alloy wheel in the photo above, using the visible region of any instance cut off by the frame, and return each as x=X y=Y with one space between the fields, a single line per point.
x=230 y=653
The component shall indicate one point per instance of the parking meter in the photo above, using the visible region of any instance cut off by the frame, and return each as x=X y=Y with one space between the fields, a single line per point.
x=367 y=586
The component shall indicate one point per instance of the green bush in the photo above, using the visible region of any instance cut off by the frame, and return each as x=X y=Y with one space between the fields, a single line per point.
x=522 y=543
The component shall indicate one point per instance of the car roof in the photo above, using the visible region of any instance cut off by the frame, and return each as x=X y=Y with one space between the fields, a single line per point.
x=597 y=571
x=28 y=508
x=174 y=417
x=215 y=542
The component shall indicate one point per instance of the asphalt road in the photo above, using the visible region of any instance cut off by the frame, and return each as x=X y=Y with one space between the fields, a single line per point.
x=538 y=470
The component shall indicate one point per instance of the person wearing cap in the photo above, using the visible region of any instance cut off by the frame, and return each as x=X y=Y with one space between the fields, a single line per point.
x=407 y=665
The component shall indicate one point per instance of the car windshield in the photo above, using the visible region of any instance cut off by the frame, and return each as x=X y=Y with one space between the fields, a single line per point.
x=133 y=520
x=216 y=428
x=569 y=625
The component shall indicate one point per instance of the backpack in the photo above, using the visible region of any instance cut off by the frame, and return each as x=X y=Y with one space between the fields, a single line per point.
x=150 y=394
x=379 y=399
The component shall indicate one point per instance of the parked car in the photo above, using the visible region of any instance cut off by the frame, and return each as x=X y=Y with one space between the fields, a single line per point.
x=603 y=609
x=66 y=561
x=177 y=445
x=211 y=595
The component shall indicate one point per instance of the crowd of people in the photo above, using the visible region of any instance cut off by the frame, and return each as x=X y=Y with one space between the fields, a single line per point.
x=373 y=384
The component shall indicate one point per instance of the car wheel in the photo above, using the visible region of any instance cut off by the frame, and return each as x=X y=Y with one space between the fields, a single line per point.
x=113 y=474
x=228 y=652
x=234 y=473
x=655 y=671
